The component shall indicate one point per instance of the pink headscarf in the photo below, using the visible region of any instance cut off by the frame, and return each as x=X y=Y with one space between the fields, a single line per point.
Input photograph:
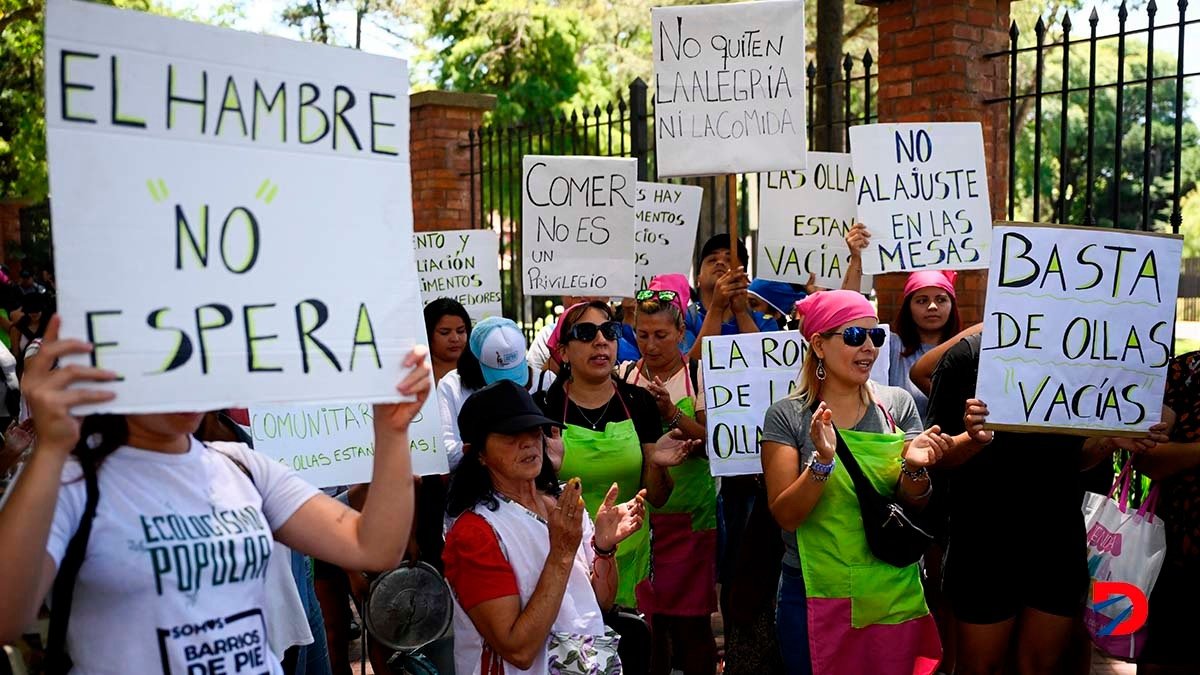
x=823 y=311
x=677 y=283
x=943 y=279
x=555 y=338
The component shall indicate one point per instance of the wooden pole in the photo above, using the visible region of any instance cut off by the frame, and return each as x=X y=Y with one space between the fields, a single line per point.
x=731 y=202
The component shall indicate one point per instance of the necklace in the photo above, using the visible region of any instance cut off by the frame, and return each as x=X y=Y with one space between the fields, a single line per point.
x=587 y=419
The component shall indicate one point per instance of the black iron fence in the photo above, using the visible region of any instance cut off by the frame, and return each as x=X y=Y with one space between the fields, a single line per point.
x=625 y=128
x=1097 y=124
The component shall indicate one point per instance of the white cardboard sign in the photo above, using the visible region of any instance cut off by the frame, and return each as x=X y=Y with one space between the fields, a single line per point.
x=923 y=193
x=803 y=220
x=577 y=225
x=463 y=265
x=666 y=217
x=1078 y=328
x=729 y=94
x=334 y=444
x=232 y=214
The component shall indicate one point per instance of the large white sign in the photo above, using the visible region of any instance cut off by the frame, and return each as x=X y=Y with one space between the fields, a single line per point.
x=729 y=88
x=463 y=265
x=923 y=193
x=334 y=444
x=666 y=217
x=803 y=220
x=577 y=225
x=1078 y=327
x=232 y=212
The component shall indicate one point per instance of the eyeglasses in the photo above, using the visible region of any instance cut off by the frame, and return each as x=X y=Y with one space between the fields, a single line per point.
x=586 y=332
x=855 y=336
x=650 y=294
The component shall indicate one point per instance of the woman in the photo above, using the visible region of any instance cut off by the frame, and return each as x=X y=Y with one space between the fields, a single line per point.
x=530 y=572
x=30 y=327
x=447 y=325
x=841 y=610
x=681 y=596
x=181 y=536
x=497 y=351
x=612 y=430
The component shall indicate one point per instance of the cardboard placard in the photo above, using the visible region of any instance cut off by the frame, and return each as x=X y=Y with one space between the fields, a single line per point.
x=232 y=212
x=729 y=94
x=923 y=194
x=666 y=217
x=803 y=220
x=1078 y=328
x=577 y=225
x=334 y=444
x=463 y=265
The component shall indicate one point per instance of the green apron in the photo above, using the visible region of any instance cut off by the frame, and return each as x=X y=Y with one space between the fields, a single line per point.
x=599 y=459
x=695 y=491
x=834 y=556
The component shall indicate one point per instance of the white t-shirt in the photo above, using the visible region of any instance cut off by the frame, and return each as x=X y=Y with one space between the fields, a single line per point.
x=539 y=351
x=173 y=578
x=452 y=395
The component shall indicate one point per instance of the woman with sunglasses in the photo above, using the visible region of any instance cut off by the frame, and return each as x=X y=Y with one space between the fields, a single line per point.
x=681 y=597
x=612 y=431
x=841 y=609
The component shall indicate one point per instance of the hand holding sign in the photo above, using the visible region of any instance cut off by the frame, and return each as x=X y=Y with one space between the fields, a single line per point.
x=396 y=417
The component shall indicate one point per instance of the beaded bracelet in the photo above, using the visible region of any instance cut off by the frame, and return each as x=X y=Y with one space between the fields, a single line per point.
x=921 y=474
x=602 y=553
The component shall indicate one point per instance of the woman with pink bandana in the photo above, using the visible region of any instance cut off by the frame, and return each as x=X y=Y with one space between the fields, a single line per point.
x=841 y=609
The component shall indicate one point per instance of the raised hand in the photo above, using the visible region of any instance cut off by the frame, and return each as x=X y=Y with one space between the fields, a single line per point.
x=822 y=433
x=857 y=239
x=974 y=418
x=662 y=399
x=395 y=417
x=927 y=449
x=672 y=449
x=730 y=290
x=617 y=522
x=566 y=521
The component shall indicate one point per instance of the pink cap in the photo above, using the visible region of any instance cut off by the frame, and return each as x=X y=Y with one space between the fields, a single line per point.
x=555 y=338
x=677 y=283
x=824 y=311
x=943 y=279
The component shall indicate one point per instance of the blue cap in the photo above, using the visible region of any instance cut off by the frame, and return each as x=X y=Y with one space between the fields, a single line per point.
x=500 y=348
x=778 y=294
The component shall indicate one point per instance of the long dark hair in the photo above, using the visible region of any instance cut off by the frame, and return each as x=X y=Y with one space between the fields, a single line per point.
x=471 y=484
x=568 y=321
x=469 y=372
x=99 y=437
x=910 y=335
x=436 y=309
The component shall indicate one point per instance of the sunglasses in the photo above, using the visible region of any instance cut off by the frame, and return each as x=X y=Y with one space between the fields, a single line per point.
x=855 y=336
x=586 y=332
x=662 y=296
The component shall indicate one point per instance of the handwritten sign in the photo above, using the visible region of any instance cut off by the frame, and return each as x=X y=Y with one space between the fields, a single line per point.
x=803 y=220
x=232 y=214
x=462 y=265
x=1078 y=328
x=923 y=194
x=577 y=225
x=665 y=218
x=334 y=444
x=729 y=88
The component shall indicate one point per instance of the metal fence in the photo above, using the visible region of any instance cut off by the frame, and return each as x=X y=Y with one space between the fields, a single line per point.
x=1097 y=148
x=626 y=129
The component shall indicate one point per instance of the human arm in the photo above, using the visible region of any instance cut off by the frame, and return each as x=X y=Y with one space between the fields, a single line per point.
x=921 y=373
x=670 y=412
x=792 y=490
x=614 y=524
x=374 y=539
x=857 y=239
x=450 y=395
x=729 y=290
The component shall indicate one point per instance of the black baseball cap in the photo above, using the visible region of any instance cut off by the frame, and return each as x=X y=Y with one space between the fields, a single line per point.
x=503 y=407
x=721 y=241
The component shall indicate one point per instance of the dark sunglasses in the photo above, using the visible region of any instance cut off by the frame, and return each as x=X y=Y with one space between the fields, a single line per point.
x=586 y=332
x=662 y=296
x=855 y=336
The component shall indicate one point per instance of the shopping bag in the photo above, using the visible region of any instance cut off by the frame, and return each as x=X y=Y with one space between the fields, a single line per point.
x=1123 y=546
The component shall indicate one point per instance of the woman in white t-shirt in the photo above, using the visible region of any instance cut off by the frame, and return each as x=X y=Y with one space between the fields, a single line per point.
x=172 y=580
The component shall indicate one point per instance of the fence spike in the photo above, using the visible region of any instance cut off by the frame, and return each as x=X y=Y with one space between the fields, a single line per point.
x=1066 y=22
x=1094 y=18
x=596 y=112
x=621 y=105
x=1152 y=8
x=1123 y=12
x=847 y=63
x=1040 y=27
x=867 y=59
x=811 y=70
x=609 y=108
x=1013 y=31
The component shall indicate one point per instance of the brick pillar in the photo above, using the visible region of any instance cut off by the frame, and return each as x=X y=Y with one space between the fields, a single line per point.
x=932 y=68
x=10 y=230
x=440 y=159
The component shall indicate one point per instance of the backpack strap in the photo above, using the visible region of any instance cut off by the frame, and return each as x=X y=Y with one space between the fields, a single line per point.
x=57 y=660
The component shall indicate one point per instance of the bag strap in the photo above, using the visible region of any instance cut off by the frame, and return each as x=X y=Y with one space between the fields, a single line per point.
x=1122 y=481
x=1146 y=510
x=861 y=483
x=57 y=660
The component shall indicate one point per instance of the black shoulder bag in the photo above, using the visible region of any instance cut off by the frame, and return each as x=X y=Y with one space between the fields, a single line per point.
x=892 y=534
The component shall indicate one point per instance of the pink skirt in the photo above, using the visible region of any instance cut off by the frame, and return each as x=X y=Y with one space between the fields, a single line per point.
x=683 y=573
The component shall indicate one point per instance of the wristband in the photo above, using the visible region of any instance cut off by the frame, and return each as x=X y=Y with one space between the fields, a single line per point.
x=921 y=474
x=820 y=472
x=674 y=423
x=602 y=553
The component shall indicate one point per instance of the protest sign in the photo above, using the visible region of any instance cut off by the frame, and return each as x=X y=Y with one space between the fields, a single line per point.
x=232 y=214
x=882 y=366
x=1078 y=327
x=666 y=217
x=462 y=265
x=803 y=220
x=334 y=444
x=729 y=88
x=577 y=225
x=923 y=193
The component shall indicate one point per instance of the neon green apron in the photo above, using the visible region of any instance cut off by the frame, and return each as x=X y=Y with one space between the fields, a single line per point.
x=695 y=491
x=834 y=556
x=599 y=459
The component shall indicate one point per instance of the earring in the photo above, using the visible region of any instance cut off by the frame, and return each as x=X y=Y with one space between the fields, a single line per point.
x=821 y=369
